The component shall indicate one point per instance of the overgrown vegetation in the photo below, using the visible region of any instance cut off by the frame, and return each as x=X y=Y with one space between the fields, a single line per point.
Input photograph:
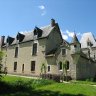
x=17 y=86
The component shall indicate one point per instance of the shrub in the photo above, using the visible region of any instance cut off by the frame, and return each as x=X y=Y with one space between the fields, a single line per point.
x=54 y=77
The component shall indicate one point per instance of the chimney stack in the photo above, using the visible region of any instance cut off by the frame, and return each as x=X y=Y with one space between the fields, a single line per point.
x=52 y=22
x=2 y=40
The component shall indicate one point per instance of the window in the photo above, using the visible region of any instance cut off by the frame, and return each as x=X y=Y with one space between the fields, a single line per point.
x=34 y=49
x=75 y=46
x=15 y=66
x=88 y=43
x=35 y=32
x=94 y=56
x=16 y=52
x=60 y=65
x=23 y=68
x=63 y=51
x=67 y=66
x=32 y=65
x=48 y=68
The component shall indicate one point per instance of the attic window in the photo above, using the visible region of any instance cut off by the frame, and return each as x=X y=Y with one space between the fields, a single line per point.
x=35 y=32
x=20 y=37
x=75 y=46
x=88 y=43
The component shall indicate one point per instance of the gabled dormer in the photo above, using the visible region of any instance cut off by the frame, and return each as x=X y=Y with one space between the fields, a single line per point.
x=20 y=37
x=75 y=44
x=9 y=40
x=37 y=33
x=89 y=43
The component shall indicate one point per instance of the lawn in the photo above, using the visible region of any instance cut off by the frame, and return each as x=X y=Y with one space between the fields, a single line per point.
x=18 y=86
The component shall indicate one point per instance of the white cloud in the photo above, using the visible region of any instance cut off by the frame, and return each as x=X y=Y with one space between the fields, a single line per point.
x=70 y=34
x=42 y=7
x=64 y=36
x=67 y=34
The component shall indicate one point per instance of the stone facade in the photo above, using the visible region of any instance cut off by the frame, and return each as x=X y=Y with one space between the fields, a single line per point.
x=26 y=53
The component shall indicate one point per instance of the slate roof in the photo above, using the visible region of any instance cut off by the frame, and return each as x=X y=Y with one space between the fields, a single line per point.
x=30 y=35
x=75 y=39
x=85 y=38
x=53 y=51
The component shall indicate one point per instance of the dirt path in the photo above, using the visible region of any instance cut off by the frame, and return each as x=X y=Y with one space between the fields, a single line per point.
x=24 y=76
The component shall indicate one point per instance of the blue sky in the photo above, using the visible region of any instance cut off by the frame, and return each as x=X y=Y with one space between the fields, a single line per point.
x=71 y=15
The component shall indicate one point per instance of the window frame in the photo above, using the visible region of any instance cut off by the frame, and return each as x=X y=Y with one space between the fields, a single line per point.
x=15 y=66
x=60 y=66
x=48 y=68
x=16 y=52
x=65 y=52
x=33 y=67
x=23 y=67
x=34 y=51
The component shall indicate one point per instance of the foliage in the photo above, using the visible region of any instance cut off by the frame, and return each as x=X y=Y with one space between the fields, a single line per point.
x=1 y=56
x=40 y=87
x=43 y=69
x=64 y=74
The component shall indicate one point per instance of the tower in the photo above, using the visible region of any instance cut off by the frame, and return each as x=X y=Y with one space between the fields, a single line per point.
x=75 y=45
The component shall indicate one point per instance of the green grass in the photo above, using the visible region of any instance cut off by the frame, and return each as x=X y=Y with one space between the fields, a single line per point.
x=19 y=86
x=13 y=78
x=72 y=89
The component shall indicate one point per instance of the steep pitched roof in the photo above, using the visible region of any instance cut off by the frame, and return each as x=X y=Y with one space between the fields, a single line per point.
x=84 y=39
x=53 y=51
x=30 y=35
x=75 y=39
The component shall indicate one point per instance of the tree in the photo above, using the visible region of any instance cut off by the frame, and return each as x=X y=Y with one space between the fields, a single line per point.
x=65 y=70
x=43 y=69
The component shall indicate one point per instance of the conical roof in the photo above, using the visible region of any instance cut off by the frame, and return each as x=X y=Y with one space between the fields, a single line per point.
x=75 y=39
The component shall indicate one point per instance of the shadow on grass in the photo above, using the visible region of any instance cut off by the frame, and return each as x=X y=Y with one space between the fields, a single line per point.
x=23 y=89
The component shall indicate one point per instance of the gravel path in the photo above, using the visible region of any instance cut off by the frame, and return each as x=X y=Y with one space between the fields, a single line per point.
x=24 y=76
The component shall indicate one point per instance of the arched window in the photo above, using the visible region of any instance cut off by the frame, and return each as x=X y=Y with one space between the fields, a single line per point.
x=60 y=65
x=67 y=66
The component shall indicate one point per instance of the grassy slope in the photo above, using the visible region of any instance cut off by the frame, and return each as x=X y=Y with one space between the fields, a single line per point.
x=53 y=89
x=73 y=89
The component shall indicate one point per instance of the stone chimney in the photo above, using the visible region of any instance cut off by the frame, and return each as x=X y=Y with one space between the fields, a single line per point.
x=2 y=40
x=52 y=22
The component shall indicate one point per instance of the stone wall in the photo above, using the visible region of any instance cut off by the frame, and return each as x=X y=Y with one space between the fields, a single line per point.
x=85 y=68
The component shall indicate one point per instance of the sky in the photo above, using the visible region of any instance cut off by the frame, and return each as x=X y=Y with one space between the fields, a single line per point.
x=73 y=16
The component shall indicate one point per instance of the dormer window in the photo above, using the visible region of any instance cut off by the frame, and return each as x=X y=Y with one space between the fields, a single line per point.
x=89 y=43
x=10 y=40
x=37 y=32
x=75 y=46
x=20 y=37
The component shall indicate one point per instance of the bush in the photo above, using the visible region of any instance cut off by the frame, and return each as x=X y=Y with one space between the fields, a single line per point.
x=21 y=85
x=54 y=77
